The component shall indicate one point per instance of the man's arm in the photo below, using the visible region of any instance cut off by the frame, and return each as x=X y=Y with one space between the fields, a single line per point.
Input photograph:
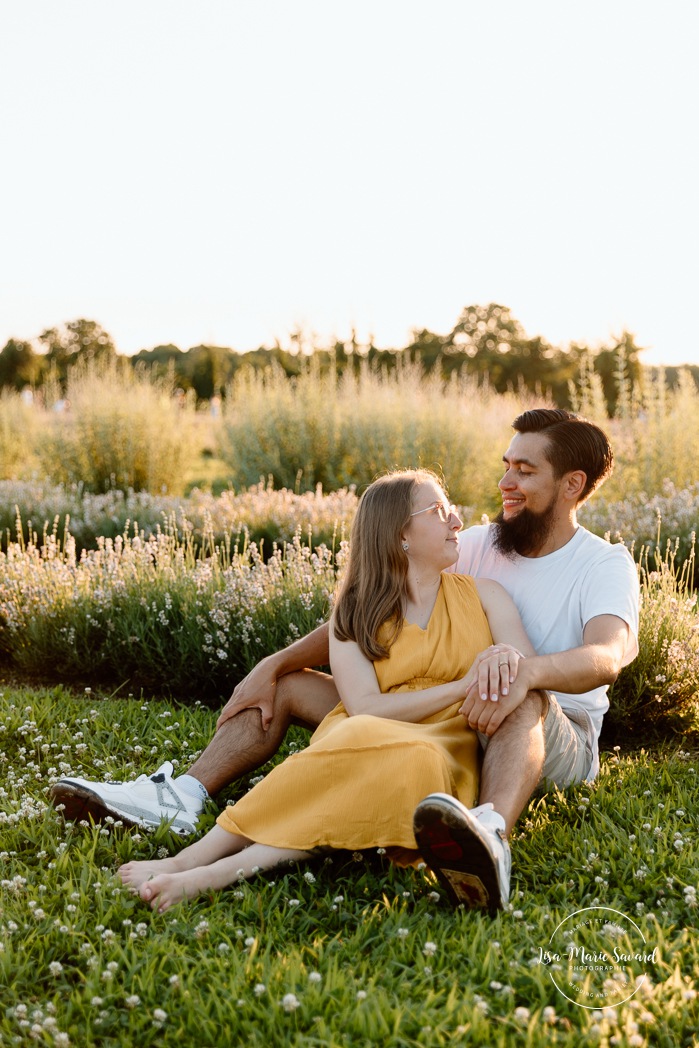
x=596 y=662
x=258 y=688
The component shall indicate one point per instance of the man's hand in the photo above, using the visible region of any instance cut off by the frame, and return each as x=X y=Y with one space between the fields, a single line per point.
x=257 y=690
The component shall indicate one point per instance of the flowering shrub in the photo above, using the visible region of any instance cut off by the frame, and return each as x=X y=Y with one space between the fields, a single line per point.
x=265 y=515
x=669 y=517
x=261 y=514
x=154 y=612
x=147 y=611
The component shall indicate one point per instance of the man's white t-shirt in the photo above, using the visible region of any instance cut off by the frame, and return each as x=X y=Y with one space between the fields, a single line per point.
x=558 y=594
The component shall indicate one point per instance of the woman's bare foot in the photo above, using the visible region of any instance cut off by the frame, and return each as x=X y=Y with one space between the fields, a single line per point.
x=167 y=889
x=134 y=874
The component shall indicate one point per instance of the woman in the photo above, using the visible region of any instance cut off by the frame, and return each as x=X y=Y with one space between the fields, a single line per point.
x=403 y=638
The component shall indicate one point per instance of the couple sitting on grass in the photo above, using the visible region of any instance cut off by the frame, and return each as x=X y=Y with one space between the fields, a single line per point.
x=446 y=649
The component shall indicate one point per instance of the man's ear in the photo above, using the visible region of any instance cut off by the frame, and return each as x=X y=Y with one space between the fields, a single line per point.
x=574 y=485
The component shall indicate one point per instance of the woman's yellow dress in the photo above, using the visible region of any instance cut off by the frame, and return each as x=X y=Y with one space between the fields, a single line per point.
x=359 y=780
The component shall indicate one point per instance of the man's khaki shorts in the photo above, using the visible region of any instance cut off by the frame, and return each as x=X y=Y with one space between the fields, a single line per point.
x=568 y=738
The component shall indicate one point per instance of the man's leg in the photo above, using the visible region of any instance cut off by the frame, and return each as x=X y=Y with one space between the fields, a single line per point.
x=514 y=759
x=468 y=850
x=240 y=746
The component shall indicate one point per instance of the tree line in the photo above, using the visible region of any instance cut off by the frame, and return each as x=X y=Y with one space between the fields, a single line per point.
x=486 y=342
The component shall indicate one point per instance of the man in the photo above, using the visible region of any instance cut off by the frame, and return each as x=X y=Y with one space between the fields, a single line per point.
x=538 y=717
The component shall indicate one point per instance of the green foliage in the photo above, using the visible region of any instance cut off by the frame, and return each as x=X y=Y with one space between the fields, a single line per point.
x=77 y=341
x=119 y=428
x=486 y=343
x=658 y=693
x=345 y=953
x=20 y=366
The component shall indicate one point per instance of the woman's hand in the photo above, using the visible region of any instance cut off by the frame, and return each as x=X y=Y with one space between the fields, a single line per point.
x=490 y=697
x=491 y=674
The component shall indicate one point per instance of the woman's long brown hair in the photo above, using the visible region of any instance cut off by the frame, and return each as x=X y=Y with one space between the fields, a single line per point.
x=374 y=588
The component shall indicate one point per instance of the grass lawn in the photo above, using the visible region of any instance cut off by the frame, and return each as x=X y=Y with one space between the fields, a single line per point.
x=350 y=951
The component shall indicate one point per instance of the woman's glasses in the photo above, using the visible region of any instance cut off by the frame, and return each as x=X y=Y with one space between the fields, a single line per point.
x=444 y=513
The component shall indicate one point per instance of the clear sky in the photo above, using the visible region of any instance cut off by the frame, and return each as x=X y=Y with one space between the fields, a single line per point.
x=225 y=172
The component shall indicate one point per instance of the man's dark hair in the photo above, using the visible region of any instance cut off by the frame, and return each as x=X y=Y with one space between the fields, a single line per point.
x=572 y=443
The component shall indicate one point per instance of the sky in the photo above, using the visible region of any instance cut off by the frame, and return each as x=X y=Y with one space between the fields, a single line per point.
x=229 y=172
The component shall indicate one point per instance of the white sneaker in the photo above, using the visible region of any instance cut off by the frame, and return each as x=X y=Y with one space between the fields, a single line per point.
x=146 y=802
x=471 y=858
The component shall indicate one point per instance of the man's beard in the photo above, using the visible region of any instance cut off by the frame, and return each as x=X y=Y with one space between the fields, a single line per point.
x=526 y=533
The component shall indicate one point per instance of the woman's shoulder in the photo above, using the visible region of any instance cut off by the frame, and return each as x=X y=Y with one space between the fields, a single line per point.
x=469 y=587
x=458 y=584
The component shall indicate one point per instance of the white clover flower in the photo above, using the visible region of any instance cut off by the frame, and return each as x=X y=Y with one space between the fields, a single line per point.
x=133 y=1001
x=522 y=1014
x=315 y=977
x=309 y=877
x=361 y=995
x=55 y=967
x=290 y=1002
x=159 y=1015
x=429 y=949
x=259 y=989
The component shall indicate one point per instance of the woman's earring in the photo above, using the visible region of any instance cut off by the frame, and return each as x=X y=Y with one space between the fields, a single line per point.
x=405 y=546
